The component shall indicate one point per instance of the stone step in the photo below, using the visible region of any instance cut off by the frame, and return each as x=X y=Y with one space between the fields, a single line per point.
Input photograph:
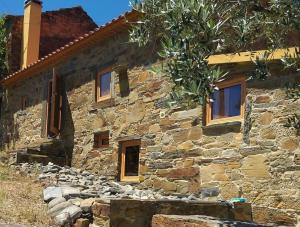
x=24 y=157
x=35 y=151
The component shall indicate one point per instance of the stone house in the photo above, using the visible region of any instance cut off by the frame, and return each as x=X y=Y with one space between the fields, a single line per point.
x=96 y=104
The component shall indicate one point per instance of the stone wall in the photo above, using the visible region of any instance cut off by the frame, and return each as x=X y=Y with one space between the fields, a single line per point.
x=257 y=158
x=139 y=213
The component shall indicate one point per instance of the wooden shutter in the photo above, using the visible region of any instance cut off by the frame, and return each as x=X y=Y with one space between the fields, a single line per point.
x=56 y=104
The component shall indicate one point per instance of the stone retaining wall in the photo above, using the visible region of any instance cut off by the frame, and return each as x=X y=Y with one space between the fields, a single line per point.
x=139 y=213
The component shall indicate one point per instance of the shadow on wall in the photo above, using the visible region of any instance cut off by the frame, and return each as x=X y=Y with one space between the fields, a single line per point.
x=9 y=128
x=67 y=127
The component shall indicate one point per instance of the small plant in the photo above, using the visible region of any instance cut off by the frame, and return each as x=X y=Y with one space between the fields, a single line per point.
x=3 y=173
x=294 y=122
x=293 y=91
x=2 y=196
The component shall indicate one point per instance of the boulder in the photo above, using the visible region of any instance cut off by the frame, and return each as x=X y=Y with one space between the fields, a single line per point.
x=55 y=202
x=86 y=205
x=51 y=193
x=69 y=192
x=73 y=211
x=82 y=222
x=62 y=219
x=54 y=211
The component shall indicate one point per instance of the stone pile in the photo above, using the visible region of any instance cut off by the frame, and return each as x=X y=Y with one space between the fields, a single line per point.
x=71 y=193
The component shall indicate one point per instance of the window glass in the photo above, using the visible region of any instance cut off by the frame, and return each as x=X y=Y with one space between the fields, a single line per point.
x=132 y=161
x=105 y=84
x=227 y=102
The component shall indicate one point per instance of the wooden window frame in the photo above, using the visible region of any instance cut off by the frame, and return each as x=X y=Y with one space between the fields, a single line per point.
x=98 y=87
x=239 y=80
x=124 y=145
x=99 y=137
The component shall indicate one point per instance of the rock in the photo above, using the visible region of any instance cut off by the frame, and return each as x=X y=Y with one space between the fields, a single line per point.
x=266 y=118
x=82 y=222
x=254 y=166
x=75 y=201
x=55 y=202
x=86 y=205
x=69 y=192
x=73 y=211
x=59 y=208
x=263 y=99
x=85 y=173
x=62 y=219
x=100 y=209
x=52 y=193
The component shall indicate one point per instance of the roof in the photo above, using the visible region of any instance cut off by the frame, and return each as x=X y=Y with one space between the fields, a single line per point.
x=100 y=33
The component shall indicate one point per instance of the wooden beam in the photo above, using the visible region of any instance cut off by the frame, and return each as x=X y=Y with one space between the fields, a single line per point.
x=244 y=57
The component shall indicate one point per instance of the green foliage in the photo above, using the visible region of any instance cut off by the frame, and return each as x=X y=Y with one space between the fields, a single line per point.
x=293 y=91
x=294 y=122
x=190 y=31
x=3 y=39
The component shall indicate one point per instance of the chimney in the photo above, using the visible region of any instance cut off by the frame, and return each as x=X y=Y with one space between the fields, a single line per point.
x=31 y=32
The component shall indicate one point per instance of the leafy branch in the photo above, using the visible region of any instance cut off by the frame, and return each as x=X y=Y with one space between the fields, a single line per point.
x=3 y=40
x=189 y=31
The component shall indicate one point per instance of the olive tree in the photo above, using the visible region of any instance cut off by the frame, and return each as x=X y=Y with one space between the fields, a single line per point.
x=189 y=31
x=3 y=39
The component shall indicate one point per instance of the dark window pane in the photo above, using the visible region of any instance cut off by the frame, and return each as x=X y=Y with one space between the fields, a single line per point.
x=132 y=161
x=101 y=139
x=227 y=102
x=105 y=141
x=105 y=84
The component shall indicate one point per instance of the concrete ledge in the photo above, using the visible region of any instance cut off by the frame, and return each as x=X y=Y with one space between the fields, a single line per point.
x=193 y=221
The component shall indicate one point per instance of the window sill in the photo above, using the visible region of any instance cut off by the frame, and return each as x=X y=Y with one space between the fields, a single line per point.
x=131 y=179
x=222 y=127
x=107 y=102
x=225 y=120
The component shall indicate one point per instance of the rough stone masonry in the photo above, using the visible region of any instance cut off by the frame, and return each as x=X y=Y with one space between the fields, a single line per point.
x=256 y=158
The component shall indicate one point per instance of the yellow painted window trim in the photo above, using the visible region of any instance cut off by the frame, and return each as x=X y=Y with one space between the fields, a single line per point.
x=228 y=83
x=98 y=91
x=124 y=145
x=249 y=56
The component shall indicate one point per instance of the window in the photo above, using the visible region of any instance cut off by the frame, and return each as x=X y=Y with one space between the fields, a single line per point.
x=101 y=140
x=24 y=102
x=130 y=157
x=54 y=106
x=228 y=102
x=103 y=86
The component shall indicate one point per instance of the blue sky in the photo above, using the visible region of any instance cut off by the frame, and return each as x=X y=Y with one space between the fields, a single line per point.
x=101 y=11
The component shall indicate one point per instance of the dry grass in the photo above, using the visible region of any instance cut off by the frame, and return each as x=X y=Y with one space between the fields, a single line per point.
x=20 y=200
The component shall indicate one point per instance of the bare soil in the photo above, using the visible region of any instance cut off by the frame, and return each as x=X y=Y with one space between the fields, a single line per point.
x=20 y=200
